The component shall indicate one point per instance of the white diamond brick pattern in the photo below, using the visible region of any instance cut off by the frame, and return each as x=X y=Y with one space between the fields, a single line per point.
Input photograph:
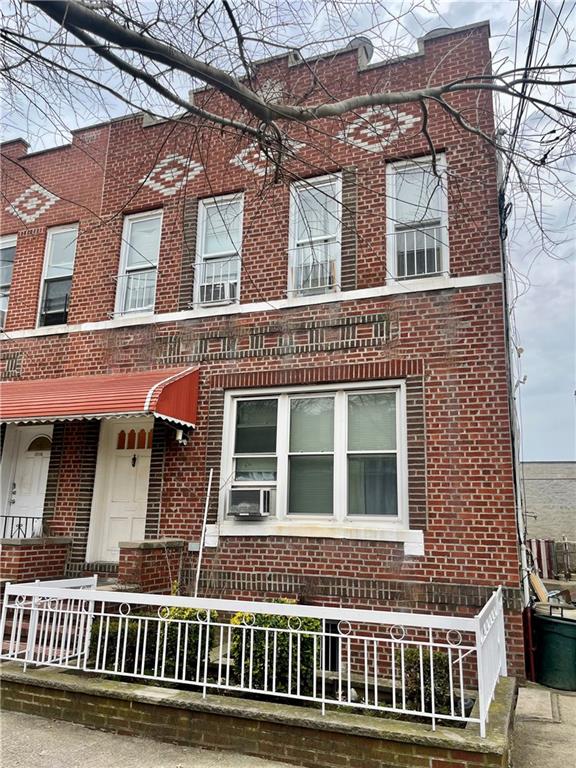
x=376 y=127
x=252 y=158
x=171 y=174
x=32 y=203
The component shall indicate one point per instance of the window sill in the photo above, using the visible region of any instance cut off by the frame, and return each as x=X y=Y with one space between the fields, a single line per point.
x=364 y=531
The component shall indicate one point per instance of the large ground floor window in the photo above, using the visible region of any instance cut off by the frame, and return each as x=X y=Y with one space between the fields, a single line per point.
x=316 y=453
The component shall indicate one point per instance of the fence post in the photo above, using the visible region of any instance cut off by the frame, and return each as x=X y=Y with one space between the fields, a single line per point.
x=4 y=614
x=501 y=634
x=480 y=664
x=31 y=640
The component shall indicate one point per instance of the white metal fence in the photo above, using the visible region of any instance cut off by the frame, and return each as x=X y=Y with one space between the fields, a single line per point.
x=407 y=664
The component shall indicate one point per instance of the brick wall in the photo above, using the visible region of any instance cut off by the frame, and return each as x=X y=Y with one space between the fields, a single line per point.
x=291 y=734
x=448 y=345
x=151 y=566
x=31 y=559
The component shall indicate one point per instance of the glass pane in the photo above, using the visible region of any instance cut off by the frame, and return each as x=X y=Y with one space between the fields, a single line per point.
x=418 y=195
x=41 y=443
x=317 y=211
x=140 y=290
x=312 y=424
x=144 y=243
x=56 y=295
x=256 y=426
x=6 y=264
x=372 y=422
x=222 y=225
x=311 y=485
x=258 y=470
x=372 y=485
x=61 y=254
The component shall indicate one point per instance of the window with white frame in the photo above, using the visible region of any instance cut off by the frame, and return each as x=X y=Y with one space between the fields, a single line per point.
x=315 y=236
x=219 y=244
x=7 y=254
x=325 y=453
x=417 y=218
x=140 y=249
x=57 y=276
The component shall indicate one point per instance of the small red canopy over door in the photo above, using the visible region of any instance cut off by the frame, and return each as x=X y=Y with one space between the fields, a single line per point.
x=171 y=393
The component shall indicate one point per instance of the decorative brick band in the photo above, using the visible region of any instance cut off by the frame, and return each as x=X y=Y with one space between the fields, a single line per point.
x=53 y=473
x=85 y=490
x=155 y=482
x=408 y=594
x=385 y=369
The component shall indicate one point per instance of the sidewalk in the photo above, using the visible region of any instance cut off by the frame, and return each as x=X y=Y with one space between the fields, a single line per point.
x=28 y=741
x=544 y=728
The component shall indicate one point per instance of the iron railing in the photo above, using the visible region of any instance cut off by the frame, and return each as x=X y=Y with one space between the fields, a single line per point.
x=419 y=251
x=217 y=280
x=20 y=526
x=137 y=290
x=425 y=666
x=314 y=268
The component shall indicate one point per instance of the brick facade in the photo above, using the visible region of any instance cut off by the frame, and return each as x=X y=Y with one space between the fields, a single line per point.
x=444 y=339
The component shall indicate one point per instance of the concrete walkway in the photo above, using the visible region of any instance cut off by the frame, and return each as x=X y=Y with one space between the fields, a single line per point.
x=544 y=728
x=34 y=742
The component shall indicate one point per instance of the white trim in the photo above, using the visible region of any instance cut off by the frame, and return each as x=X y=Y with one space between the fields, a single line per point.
x=47 y=254
x=97 y=417
x=295 y=188
x=393 y=288
x=8 y=241
x=391 y=219
x=326 y=529
x=337 y=521
x=201 y=258
x=126 y=232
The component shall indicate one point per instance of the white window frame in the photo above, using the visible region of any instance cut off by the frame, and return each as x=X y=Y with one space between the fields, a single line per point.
x=339 y=517
x=316 y=181
x=122 y=272
x=8 y=241
x=47 y=250
x=391 y=219
x=201 y=257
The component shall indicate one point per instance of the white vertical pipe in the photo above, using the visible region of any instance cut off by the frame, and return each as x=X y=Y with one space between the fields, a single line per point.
x=203 y=534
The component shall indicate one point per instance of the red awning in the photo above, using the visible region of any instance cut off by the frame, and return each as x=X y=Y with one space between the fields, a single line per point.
x=171 y=393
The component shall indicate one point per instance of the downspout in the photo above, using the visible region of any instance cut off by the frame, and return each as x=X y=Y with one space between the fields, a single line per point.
x=514 y=428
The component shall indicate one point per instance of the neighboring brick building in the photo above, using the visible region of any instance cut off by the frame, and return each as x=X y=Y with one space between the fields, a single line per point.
x=338 y=346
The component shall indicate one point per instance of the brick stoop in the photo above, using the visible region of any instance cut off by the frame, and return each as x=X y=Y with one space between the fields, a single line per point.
x=298 y=735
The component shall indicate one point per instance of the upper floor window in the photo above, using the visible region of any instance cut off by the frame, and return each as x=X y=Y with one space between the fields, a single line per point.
x=320 y=453
x=218 y=250
x=7 y=254
x=315 y=227
x=139 y=262
x=57 y=276
x=417 y=218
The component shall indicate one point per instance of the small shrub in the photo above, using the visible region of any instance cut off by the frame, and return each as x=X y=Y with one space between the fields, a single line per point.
x=164 y=636
x=255 y=648
x=413 y=679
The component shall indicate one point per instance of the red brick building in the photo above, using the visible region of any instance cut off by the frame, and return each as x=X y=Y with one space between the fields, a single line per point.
x=330 y=341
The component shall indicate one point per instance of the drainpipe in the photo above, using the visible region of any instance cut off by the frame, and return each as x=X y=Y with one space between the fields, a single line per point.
x=512 y=387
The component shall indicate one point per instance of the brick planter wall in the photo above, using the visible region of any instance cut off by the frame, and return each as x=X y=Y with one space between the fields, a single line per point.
x=297 y=735
x=151 y=566
x=30 y=559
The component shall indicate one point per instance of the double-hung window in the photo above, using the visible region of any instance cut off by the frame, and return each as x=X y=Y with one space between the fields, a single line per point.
x=315 y=236
x=326 y=454
x=7 y=254
x=417 y=218
x=57 y=277
x=218 y=250
x=136 y=290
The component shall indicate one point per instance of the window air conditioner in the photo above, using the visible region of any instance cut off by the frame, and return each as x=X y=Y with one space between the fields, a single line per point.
x=251 y=503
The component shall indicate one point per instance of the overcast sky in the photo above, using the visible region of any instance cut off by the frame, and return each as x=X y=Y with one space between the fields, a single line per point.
x=545 y=314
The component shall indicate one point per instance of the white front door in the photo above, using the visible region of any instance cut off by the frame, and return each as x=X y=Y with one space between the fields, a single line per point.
x=27 y=486
x=119 y=509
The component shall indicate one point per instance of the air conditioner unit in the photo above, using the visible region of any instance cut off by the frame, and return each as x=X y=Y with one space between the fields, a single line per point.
x=251 y=503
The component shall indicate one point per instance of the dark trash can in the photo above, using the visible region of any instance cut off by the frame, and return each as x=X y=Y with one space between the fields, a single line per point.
x=555 y=641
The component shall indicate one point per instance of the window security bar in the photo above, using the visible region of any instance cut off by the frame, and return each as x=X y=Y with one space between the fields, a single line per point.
x=419 y=250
